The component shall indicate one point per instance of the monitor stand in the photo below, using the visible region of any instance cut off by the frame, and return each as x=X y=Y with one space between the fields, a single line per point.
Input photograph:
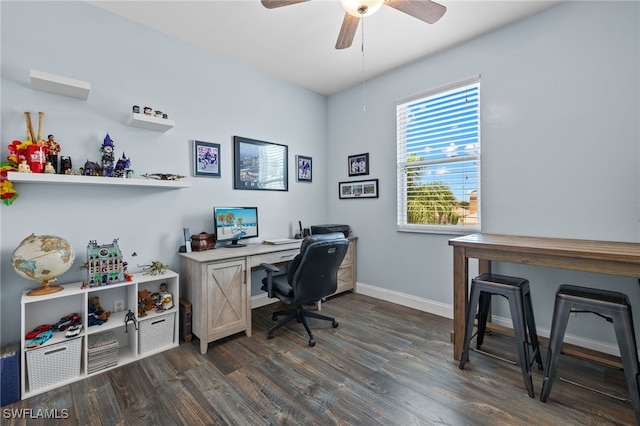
x=235 y=244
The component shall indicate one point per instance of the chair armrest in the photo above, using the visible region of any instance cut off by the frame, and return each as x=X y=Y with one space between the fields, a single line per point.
x=270 y=269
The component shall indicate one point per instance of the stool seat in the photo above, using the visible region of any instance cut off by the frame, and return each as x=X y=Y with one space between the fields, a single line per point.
x=615 y=308
x=517 y=292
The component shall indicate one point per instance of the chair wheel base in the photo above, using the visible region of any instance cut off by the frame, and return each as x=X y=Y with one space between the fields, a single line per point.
x=335 y=324
x=312 y=342
x=269 y=335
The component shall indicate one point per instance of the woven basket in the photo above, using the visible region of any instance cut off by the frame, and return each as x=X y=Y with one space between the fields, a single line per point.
x=53 y=364
x=156 y=332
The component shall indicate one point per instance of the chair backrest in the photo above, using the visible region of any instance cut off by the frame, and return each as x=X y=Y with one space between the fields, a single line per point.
x=313 y=273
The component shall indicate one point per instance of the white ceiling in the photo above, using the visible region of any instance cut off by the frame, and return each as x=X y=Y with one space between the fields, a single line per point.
x=297 y=42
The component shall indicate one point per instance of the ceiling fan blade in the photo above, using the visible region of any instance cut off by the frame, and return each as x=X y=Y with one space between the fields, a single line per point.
x=347 y=31
x=425 y=10
x=272 y=4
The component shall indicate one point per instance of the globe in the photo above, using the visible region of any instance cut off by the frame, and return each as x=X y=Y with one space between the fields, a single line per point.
x=43 y=258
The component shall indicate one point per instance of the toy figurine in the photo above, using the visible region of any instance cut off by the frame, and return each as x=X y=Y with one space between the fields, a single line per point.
x=48 y=168
x=23 y=167
x=65 y=165
x=130 y=317
x=108 y=157
x=53 y=149
x=147 y=110
x=123 y=167
x=136 y=109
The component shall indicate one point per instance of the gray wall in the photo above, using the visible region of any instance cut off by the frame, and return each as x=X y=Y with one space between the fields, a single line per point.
x=560 y=149
x=560 y=108
x=210 y=98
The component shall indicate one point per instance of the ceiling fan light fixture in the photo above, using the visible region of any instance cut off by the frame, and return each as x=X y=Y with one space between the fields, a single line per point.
x=360 y=8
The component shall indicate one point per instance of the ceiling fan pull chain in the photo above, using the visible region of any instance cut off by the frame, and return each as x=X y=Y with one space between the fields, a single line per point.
x=364 y=108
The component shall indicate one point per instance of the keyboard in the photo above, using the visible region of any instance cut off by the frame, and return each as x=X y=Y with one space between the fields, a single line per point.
x=280 y=241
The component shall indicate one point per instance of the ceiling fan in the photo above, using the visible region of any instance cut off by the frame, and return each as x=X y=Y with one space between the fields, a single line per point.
x=425 y=10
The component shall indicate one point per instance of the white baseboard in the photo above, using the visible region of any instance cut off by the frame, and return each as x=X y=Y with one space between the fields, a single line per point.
x=446 y=311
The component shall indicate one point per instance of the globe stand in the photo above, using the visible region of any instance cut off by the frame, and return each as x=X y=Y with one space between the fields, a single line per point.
x=45 y=288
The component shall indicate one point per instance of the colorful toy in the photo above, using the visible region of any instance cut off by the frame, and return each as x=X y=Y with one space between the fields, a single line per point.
x=105 y=264
x=97 y=315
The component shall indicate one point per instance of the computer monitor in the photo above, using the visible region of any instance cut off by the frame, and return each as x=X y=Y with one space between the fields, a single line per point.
x=235 y=223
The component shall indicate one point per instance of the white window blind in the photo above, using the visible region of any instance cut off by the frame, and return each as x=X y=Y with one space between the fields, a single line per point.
x=439 y=160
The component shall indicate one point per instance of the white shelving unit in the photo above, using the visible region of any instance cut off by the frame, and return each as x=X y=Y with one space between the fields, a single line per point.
x=48 y=309
x=60 y=85
x=150 y=122
x=46 y=178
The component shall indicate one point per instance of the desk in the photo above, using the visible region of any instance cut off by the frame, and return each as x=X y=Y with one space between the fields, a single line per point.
x=218 y=284
x=604 y=257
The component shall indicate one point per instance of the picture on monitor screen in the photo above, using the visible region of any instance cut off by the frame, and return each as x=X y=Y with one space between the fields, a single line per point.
x=235 y=223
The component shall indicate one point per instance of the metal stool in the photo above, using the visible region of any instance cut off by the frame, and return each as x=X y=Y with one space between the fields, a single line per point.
x=516 y=290
x=612 y=306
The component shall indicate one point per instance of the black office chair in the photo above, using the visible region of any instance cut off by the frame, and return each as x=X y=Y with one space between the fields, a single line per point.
x=312 y=276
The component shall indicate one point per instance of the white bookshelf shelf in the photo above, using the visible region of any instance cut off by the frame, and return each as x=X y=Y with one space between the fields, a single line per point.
x=150 y=122
x=46 y=178
x=60 y=85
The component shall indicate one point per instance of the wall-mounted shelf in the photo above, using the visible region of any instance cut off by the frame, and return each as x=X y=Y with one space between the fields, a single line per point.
x=60 y=85
x=150 y=122
x=45 y=178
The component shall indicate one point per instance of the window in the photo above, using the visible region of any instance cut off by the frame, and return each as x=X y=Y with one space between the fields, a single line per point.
x=439 y=160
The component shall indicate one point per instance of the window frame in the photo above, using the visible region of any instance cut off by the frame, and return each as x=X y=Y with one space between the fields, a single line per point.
x=402 y=106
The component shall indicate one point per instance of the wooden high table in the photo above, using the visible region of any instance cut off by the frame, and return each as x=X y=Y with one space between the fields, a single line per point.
x=603 y=257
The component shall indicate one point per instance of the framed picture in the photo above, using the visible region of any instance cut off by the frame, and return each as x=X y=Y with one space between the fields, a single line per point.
x=206 y=159
x=259 y=165
x=358 y=189
x=359 y=164
x=304 y=168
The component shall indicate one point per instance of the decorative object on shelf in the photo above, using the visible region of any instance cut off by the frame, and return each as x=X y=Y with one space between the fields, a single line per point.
x=166 y=298
x=158 y=113
x=23 y=167
x=97 y=315
x=165 y=116
x=8 y=194
x=359 y=164
x=48 y=168
x=130 y=317
x=36 y=158
x=65 y=165
x=304 y=168
x=206 y=159
x=203 y=241
x=136 y=109
x=144 y=302
x=260 y=165
x=123 y=167
x=53 y=149
x=147 y=110
x=108 y=156
x=358 y=189
x=155 y=268
x=162 y=176
x=43 y=258
x=90 y=168
x=105 y=264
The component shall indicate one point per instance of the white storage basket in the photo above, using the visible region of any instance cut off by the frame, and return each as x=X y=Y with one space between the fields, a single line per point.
x=157 y=332
x=53 y=364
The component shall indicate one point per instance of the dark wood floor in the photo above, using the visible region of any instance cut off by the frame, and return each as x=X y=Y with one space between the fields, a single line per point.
x=384 y=365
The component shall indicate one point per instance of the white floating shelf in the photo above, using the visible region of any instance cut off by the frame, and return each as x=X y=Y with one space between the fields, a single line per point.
x=150 y=122
x=60 y=85
x=47 y=178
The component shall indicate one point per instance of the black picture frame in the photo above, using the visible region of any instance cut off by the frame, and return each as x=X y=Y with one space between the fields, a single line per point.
x=206 y=159
x=304 y=168
x=260 y=165
x=358 y=189
x=358 y=164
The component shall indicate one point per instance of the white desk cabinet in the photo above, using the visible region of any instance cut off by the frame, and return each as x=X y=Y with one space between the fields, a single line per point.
x=217 y=283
